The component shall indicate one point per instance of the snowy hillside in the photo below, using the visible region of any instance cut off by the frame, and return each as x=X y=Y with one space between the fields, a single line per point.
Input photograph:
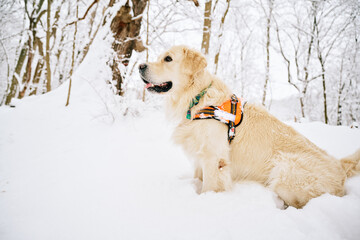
x=70 y=173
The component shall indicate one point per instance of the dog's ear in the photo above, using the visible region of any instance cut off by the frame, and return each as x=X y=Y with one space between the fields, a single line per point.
x=194 y=61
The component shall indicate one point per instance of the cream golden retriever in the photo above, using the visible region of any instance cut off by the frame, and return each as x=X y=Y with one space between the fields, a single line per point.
x=264 y=149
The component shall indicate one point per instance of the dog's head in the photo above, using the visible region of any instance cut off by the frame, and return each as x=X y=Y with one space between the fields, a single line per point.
x=174 y=69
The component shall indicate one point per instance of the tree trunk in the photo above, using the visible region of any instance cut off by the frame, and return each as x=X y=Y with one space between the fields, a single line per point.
x=7 y=74
x=34 y=19
x=28 y=69
x=37 y=76
x=205 y=44
x=324 y=89
x=126 y=31
x=302 y=104
x=339 y=105
x=340 y=91
x=147 y=42
x=308 y=57
x=217 y=55
x=267 y=71
x=72 y=56
x=15 y=78
x=33 y=44
x=321 y=61
x=39 y=67
x=47 y=56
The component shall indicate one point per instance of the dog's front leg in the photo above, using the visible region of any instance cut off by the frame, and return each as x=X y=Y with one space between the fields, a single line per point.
x=198 y=173
x=216 y=175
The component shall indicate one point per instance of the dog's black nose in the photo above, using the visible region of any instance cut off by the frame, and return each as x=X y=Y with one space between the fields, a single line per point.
x=142 y=67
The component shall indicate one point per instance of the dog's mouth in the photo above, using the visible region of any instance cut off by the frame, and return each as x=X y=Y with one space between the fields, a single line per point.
x=159 y=88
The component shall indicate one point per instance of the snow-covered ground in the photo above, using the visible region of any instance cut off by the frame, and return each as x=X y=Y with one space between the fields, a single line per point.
x=73 y=173
x=87 y=172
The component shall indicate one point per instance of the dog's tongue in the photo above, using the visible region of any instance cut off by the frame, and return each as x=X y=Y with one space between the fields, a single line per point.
x=149 y=85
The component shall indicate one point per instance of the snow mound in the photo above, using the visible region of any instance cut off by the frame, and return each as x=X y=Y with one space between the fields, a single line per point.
x=69 y=173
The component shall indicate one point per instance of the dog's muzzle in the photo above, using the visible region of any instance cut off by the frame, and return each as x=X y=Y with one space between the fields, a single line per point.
x=153 y=87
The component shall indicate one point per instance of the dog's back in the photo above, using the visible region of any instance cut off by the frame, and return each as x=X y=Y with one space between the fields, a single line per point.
x=270 y=152
x=351 y=164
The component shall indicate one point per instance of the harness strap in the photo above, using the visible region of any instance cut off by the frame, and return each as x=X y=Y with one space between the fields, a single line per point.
x=229 y=113
x=234 y=102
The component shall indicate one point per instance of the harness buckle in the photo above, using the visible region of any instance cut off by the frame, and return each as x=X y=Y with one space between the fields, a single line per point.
x=234 y=99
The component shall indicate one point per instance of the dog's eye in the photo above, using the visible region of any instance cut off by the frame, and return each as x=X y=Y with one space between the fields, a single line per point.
x=167 y=59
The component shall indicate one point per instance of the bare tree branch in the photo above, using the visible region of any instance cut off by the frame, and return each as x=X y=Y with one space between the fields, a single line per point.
x=83 y=17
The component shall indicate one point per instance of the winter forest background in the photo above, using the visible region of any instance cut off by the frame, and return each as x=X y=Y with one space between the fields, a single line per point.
x=299 y=56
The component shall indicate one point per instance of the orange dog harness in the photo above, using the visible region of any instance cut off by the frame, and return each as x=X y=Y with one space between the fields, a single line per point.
x=230 y=113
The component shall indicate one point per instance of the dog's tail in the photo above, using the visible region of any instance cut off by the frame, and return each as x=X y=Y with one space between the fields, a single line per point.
x=351 y=164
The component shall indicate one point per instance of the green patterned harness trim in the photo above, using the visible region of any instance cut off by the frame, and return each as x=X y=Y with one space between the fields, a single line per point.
x=195 y=101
